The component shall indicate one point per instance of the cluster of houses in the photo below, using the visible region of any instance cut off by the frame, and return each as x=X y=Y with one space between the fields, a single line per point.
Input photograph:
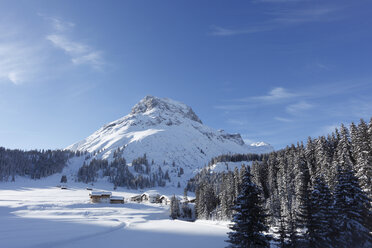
x=105 y=197
x=151 y=197
x=156 y=198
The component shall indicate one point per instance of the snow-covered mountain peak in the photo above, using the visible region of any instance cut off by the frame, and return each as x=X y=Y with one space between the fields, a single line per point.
x=162 y=107
x=168 y=132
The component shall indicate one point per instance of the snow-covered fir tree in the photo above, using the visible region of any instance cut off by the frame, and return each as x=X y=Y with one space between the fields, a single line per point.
x=249 y=218
x=319 y=194
x=174 y=207
x=353 y=218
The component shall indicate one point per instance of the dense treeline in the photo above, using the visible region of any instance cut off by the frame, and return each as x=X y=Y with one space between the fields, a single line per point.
x=119 y=174
x=316 y=195
x=206 y=177
x=236 y=158
x=34 y=164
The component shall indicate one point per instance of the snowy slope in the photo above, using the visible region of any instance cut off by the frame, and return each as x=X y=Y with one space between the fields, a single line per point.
x=167 y=131
x=45 y=217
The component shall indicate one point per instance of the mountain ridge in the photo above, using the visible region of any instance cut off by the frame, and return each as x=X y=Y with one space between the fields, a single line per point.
x=168 y=132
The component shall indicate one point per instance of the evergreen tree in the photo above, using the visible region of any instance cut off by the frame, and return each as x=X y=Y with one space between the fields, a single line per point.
x=292 y=232
x=282 y=232
x=363 y=157
x=249 y=219
x=64 y=179
x=352 y=211
x=304 y=218
x=174 y=208
x=322 y=225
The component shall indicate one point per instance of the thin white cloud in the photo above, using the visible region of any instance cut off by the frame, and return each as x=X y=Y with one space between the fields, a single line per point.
x=283 y=119
x=298 y=16
x=68 y=46
x=298 y=108
x=60 y=25
x=276 y=94
x=93 y=58
x=229 y=107
x=25 y=57
x=220 y=31
x=79 y=52
x=282 y=19
x=19 y=62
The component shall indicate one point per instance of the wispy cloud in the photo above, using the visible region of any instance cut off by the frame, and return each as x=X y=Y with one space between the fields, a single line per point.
x=220 y=31
x=25 y=57
x=79 y=52
x=298 y=107
x=228 y=107
x=298 y=16
x=20 y=61
x=61 y=25
x=275 y=94
x=283 y=119
x=281 y=19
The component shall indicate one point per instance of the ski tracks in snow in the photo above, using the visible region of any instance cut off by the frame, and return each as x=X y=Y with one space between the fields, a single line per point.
x=66 y=242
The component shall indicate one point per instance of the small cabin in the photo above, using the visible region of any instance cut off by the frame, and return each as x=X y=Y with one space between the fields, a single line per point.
x=154 y=198
x=144 y=197
x=89 y=188
x=136 y=198
x=117 y=199
x=63 y=187
x=105 y=197
x=100 y=197
x=164 y=200
x=95 y=197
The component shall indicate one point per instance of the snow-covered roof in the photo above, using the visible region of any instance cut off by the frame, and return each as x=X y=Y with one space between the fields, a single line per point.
x=117 y=198
x=100 y=193
x=95 y=193
x=151 y=194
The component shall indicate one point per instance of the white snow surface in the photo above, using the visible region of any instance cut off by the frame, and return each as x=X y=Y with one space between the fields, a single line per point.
x=35 y=213
x=165 y=130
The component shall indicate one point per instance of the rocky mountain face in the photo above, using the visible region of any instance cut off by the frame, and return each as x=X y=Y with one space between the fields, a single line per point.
x=168 y=132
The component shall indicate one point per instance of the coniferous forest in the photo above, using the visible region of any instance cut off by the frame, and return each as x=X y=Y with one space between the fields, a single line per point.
x=313 y=195
x=34 y=164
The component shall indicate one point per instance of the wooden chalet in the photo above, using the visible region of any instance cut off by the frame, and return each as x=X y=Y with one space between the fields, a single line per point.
x=144 y=197
x=154 y=198
x=136 y=198
x=100 y=197
x=117 y=199
x=164 y=200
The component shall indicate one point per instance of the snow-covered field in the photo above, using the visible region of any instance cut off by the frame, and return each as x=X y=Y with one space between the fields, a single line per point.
x=36 y=214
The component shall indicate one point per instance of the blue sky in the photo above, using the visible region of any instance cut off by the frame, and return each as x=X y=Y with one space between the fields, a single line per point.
x=273 y=70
